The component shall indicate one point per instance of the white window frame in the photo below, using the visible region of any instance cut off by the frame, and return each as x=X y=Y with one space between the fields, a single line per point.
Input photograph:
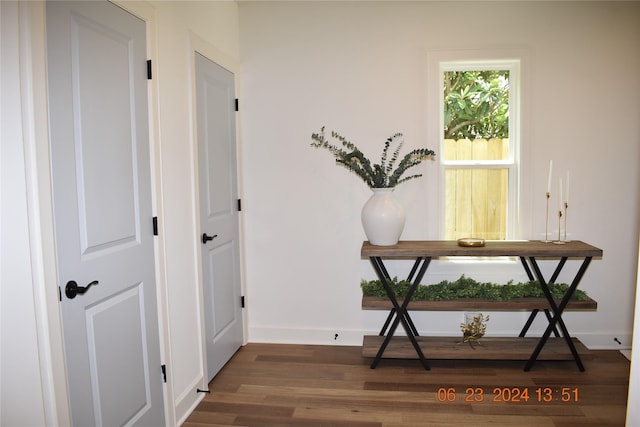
x=521 y=225
x=512 y=163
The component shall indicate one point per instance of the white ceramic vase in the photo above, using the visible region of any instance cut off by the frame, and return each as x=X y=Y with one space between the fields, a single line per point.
x=383 y=218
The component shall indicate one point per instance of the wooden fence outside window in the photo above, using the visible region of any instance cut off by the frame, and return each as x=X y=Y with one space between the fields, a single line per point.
x=476 y=198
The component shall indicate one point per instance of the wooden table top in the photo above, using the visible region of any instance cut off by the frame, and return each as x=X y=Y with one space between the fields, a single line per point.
x=492 y=248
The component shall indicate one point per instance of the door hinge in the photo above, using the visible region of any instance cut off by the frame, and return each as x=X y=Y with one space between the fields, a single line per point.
x=239 y=205
x=237 y=105
x=242 y=301
x=149 y=69
x=155 y=225
x=164 y=373
x=59 y=293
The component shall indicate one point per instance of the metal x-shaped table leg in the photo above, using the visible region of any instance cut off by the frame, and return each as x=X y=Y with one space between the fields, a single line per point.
x=557 y=312
x=401 y=313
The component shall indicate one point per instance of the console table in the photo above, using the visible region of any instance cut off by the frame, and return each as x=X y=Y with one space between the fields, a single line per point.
x=527 y=251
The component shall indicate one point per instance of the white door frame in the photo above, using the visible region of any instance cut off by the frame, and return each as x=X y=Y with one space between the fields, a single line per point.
x=41 y=223
x=33 y=93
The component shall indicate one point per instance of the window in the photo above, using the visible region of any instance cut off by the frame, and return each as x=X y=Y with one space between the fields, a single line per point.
x=479 y=143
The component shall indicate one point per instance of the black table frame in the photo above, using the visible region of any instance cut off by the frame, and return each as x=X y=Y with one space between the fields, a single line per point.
x=399 y=314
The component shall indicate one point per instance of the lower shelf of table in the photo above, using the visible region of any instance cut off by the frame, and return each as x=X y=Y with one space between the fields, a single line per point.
x=493 y=348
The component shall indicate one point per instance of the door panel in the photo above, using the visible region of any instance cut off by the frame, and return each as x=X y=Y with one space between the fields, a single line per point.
x=123 y=313
x=104 y=152
x=96 y=61
x=215 y=98
x=218 y=118
x=223 y=304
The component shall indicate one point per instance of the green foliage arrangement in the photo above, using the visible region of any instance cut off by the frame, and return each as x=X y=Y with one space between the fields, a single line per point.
x=382 y=175
x=466 y=287
x=476 y=104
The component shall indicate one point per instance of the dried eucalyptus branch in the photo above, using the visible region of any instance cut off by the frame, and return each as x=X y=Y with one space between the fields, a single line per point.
x=382 y=175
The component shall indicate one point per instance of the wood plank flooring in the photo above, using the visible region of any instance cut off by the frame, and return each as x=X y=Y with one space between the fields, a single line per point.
x=303 y=385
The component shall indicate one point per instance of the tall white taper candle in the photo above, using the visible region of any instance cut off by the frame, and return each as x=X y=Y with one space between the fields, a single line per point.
x=560 y=205
x=549 y=181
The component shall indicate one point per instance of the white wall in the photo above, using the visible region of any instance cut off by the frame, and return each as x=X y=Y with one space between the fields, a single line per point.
x=361 y=68
x=181 y=27
x=33 y=377
x=358 y=68
x=32 y=371
x=20 y=366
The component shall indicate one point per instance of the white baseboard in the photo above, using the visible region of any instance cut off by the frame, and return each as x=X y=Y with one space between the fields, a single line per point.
x=603 y=341
x=306 y=336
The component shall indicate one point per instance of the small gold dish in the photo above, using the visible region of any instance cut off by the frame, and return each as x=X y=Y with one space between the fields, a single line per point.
x=471 y=243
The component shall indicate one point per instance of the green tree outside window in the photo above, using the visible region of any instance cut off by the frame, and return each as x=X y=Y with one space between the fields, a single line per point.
x=476 y=104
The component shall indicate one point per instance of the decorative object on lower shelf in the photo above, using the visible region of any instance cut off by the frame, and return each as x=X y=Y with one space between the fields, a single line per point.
x=474 y=328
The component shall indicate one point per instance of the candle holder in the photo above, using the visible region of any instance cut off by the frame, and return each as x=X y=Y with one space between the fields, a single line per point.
x=546 y=222
x=559 y=241
x=566 y=206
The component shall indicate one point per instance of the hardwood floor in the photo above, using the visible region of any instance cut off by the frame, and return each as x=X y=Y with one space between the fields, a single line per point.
x=304 y=385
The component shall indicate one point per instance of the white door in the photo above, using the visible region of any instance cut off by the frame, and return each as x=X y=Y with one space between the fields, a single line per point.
x=97 y=79
x=215 y=98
